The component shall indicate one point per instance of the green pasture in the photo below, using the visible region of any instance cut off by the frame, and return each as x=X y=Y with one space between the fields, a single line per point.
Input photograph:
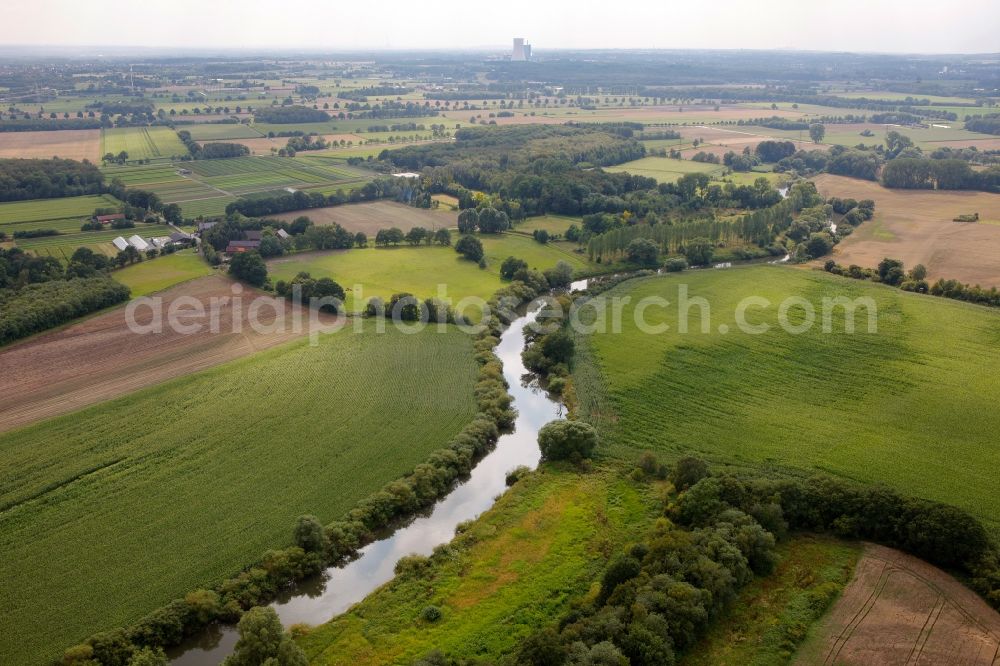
x=383 y=272
x=910 y=406
x=163 y=272
x=666 y=169
x=553 y=224
x=118 y=508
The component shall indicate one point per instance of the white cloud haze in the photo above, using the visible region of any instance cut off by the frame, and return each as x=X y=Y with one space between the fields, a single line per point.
x=963 y=26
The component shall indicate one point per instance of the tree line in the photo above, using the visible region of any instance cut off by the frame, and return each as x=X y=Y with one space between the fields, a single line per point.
x=893 y=273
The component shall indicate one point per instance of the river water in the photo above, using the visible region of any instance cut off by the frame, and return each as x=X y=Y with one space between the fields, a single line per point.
x=324 y=597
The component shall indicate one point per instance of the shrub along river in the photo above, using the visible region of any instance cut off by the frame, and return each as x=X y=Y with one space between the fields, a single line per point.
x=324 y=597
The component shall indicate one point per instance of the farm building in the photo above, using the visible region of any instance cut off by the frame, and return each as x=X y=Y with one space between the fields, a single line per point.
x=242 y=246
x=120 y=243
x=205 y=226
x=176 y=238
x=406 y=174
x=253 y=235
x=283 y=235
x=107 y=219
x=138 y=243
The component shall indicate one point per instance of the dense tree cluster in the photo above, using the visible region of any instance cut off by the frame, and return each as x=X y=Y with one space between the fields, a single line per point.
x=987 y=124
x=42 y=305
x=311 y=291
x=837 y=160
x=774 y=151
x=761 y=227
x=943 y=174
x=288 y=115
x=658 y=596
x=249 y=267
x=46 y=179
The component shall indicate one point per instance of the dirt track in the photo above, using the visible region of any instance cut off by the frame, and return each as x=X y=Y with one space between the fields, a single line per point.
x=100 y=358
x=916 y=226
x=901 y=610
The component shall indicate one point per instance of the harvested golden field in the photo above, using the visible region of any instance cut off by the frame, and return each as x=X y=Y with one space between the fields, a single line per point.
x=901 y=610
x=916 y=226
x=100 y=358
x=370 y=217
x=68 y=144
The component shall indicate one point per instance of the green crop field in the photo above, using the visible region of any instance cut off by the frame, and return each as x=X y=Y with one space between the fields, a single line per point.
x=517 y=568
x=419 y=270
x=220 y=131
x=142 y=142
x=39 y=210
x=115 y=510
x=62 y=246
x=247 y=175
x=911 y=406
x=666 y=169
x=212 y=184
x=163 y=272
x=207 y=207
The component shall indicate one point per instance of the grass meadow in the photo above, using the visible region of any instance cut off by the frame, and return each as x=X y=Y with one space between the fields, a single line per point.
x=419 y=270
x=553 y=224
x=911 y=406
x=516 y=569
x=163 y=272
x=666 y=169
x=112 y=511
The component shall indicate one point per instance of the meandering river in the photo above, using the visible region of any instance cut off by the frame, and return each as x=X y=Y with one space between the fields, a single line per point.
x=324 y=597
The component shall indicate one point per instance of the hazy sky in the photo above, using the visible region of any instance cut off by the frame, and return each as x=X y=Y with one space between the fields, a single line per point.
x=849 y=25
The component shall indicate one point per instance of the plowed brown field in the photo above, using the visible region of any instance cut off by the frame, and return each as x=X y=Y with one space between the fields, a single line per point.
x=100 y=358
x=901 y=610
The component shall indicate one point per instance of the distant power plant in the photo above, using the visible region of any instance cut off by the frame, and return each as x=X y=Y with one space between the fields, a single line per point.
x=522 y=50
